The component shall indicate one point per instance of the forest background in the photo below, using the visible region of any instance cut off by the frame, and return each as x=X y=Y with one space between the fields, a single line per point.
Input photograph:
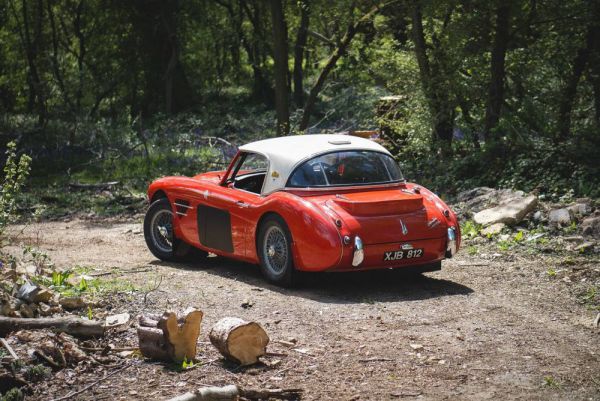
x=466 y=93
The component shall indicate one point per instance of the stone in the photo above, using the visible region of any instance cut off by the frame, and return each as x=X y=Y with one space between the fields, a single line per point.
x=591 y=226
x=27 y=311
x=509 y=213
x=34 y=293
x=71 y=302
x=493 y=229
x=27 y=291
x=47 y=310
x=538 y=216
x=560 y=217
x=481 y=198
x=579 y=209
x=469 y=194
x=43 y=295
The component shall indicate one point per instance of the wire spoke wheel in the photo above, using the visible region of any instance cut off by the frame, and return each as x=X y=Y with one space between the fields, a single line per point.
x=275 y=250
x=161 y=230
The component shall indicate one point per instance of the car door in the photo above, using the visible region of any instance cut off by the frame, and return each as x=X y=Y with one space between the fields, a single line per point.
x=225 y=218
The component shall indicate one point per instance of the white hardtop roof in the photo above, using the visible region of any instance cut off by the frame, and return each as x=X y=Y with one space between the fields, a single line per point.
x=285 y=153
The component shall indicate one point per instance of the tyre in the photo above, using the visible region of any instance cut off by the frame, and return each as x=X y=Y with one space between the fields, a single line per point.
x=160 y=238
x=275 y=251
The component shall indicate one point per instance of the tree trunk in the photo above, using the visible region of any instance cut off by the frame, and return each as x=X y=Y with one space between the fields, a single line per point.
x=570 y=90
x=280 y=56
x=595 y=60
x=261 y=87
x=55 y=62
x=438 y=101
x=36 y=98
x=496 y=90
x=240 y=341
x=71 y=325
x=299 y=48
x=351 y=31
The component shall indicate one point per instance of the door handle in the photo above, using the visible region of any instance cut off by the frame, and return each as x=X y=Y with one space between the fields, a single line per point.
x=242 y=204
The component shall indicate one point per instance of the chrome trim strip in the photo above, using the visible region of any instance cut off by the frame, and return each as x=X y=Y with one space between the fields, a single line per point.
x=181 y=214
x=182 y=205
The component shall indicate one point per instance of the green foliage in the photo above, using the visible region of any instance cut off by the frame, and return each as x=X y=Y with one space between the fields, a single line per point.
x=551 y=272
x=518 y=237
x=469 y=229
x=86 y=120
x=59 y=278
x=36 y=373
x=16 y=170
x=505 y=245
x=187 y=364
x=591 y=297
x=14 y=394
x=551 y=382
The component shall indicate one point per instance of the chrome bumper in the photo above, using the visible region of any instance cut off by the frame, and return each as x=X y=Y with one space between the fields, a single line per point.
x=451 y=244
x=359 y=252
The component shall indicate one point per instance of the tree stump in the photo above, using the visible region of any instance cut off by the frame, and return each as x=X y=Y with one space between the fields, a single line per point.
x=170 y=338
x=240 y=341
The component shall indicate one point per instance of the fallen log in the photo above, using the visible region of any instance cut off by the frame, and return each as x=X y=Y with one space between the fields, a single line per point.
x=98 y=186
x=232 y=392
x=70 y=324
x=240 y=341
x=170 y=338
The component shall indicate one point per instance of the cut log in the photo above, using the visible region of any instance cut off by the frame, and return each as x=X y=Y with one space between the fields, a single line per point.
x=72 y=325
x=240 y=341
x=170 y=338
x=231 y=393
x=181 y=339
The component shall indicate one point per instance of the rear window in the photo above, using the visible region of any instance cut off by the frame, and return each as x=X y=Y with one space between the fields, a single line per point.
x=356 y=167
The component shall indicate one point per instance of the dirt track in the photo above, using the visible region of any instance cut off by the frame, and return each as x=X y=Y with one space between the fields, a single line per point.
x=482 y=328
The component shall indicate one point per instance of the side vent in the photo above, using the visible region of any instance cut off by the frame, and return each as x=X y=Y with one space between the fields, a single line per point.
x=181 y=207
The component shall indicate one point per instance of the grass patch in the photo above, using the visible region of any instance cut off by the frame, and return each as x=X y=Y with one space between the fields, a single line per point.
x=551 y=382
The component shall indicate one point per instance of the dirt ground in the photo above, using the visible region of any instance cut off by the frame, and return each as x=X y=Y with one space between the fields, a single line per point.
x=487 y=326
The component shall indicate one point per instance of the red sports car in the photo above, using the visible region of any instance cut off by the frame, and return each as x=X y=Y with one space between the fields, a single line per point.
x=303 y=203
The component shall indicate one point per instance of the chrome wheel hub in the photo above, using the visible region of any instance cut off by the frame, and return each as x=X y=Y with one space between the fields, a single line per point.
x=162 y=230
x=275 y=250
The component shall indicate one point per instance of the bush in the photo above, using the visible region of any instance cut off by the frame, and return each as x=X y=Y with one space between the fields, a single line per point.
x=16 y=171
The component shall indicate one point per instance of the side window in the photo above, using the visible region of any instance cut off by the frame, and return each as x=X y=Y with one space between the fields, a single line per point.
x=250 y=173
x=253 y=163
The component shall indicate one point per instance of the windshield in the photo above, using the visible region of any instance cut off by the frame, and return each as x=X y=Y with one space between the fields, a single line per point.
x=356 y=167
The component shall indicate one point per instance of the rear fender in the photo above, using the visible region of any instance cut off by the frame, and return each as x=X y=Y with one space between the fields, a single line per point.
x=317 y=243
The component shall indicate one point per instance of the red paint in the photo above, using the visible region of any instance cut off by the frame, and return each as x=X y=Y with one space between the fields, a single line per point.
x=374 y=213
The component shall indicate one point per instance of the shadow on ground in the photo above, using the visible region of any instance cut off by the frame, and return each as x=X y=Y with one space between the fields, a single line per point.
x=350 y=287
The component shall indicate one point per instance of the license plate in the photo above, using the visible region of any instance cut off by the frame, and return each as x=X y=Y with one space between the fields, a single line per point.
x=408 y=254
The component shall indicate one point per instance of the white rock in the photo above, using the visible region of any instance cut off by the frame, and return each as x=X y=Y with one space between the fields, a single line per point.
x=508 y=213
x=559 y=217
x=117 y=320
x=493 y=229
x=591 y=226
x=580 y=209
